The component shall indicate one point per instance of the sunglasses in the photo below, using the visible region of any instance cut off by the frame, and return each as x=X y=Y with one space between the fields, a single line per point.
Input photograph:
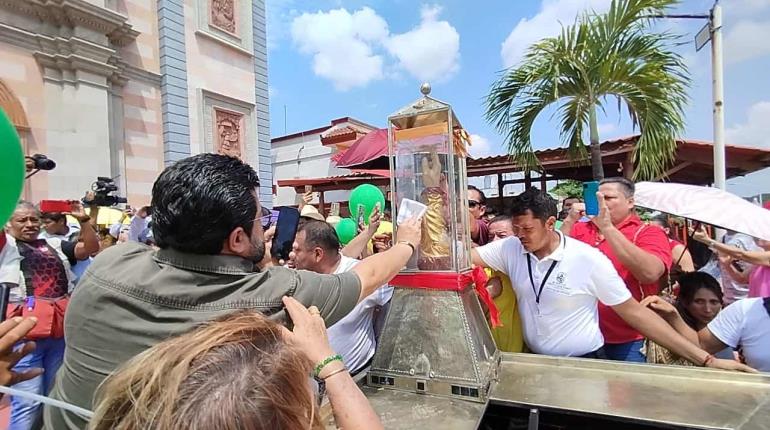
x=268 y=218
x=473 y=203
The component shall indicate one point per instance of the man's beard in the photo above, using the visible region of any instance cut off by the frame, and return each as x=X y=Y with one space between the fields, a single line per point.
x=257 y=250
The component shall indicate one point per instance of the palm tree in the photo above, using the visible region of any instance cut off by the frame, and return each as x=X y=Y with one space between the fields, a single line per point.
x=598 y=59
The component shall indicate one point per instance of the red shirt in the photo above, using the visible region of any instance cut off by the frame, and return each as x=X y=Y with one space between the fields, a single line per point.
x=652 y=240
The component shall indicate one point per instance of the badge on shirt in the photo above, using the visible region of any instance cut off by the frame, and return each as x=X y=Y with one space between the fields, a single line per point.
x=559 y=284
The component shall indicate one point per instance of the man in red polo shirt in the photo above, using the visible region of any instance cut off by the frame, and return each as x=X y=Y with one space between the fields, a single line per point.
x=639 y=252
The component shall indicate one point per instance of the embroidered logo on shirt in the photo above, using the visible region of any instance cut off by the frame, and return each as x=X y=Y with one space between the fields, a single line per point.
x=559 y=284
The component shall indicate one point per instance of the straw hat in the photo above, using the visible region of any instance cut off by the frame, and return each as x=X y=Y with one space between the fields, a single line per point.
x=311 y=212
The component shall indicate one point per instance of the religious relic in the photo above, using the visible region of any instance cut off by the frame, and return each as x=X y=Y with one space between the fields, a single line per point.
x=436 y=339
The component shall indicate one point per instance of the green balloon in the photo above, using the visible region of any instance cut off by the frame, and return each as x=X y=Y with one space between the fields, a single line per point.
x=366 y=195
x=11 y=168
x=346 y=230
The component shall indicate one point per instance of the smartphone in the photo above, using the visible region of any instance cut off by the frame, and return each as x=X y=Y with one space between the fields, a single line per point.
x=285 y=230
x=55 y=206
x=361 y=217
x=589 y=197
x=5 y=295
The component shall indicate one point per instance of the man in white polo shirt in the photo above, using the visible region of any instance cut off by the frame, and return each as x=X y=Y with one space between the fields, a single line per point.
x=559 y=281
x=317 y=248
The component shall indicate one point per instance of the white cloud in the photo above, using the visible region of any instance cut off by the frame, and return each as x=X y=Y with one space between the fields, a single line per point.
x=547 y=23
x=745 y=40
x=430 y=51
x=279 y=13
x=742 y=8
x=480 y=146
x=341 y=45
x=354 y=49
x=755 y=131
x=606 y=128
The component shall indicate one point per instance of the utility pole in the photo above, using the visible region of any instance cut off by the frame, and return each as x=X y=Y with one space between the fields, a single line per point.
x=713 y=32
x=720 y=175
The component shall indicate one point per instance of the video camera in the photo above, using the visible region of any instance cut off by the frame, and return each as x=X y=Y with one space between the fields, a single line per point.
x=42 y=162
x=104 y=189
x=36 y=163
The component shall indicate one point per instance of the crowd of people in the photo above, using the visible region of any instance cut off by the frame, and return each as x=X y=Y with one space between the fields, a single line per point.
x=183 y=315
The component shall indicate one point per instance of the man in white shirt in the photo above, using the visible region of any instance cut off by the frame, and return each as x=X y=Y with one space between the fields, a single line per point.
x=559 y=281
x=55 y=226
x=10 y=270
x=317 y=248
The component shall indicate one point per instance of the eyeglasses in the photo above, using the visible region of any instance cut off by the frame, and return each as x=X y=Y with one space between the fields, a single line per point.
x=473 y=203
x=268 y=218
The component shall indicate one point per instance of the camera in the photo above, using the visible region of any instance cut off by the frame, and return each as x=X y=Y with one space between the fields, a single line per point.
x=104 y=189
x=41 y=162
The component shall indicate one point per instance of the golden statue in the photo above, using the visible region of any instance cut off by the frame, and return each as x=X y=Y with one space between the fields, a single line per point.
x=434 y=243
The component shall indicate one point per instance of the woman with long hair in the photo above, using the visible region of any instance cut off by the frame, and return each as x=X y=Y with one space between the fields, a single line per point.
x=700 y=299
x=244 y=372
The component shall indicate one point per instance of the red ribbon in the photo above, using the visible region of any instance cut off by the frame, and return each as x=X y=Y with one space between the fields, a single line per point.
x=453 y=282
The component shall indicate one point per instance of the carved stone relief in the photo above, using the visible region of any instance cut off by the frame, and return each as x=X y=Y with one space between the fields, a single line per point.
x=222 y=15
x=229 y=132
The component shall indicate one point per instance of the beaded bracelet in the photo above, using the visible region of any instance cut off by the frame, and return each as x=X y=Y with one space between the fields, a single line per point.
x=326 y=361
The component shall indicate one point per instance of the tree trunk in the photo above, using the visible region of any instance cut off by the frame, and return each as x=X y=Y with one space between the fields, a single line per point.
x=596 y=152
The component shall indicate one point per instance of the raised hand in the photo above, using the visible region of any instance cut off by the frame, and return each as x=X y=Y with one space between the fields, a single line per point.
x=11 y=332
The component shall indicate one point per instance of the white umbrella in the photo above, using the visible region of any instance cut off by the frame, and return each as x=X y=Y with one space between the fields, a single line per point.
x=707 y=205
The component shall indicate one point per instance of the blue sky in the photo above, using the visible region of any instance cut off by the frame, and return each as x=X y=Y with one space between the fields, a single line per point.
x=366 y=59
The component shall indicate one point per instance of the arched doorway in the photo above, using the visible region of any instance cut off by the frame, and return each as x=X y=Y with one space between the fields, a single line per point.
x=13 y=108
x=15 y=111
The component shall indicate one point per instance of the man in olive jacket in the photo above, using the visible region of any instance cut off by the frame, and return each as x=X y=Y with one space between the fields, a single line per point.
x=206 y=222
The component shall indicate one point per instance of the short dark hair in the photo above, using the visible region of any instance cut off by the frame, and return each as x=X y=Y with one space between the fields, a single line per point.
x=320 y=234
x=579 y=199
x=661 y=219
x=198 y=201
x=627 y=187
x=53 y=216
x=500 y=218
x=538 y=202
x=482 y=197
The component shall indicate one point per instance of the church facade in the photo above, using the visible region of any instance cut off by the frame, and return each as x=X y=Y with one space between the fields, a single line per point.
x=122 y=88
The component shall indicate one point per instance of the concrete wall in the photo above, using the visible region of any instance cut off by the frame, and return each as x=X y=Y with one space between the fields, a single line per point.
x=21 y=74
x=143 y=140
x=304 y=157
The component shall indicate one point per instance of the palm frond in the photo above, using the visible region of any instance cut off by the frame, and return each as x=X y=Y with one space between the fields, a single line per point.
x=599 y=56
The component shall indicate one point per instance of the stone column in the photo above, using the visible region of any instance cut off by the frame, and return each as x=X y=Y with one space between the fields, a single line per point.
x=78 y=135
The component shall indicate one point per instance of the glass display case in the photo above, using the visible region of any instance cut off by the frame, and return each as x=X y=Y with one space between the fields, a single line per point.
x=428 y=148
x=435 y=339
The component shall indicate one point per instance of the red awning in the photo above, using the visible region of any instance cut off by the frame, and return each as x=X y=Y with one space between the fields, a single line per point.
x=366 y=151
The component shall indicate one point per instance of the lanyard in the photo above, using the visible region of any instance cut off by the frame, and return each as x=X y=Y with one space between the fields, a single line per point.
x=545 y=278
x=542 y=283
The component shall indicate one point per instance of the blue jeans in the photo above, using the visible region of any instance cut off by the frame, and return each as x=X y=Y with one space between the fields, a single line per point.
x=48 y=355
x=629 y=351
